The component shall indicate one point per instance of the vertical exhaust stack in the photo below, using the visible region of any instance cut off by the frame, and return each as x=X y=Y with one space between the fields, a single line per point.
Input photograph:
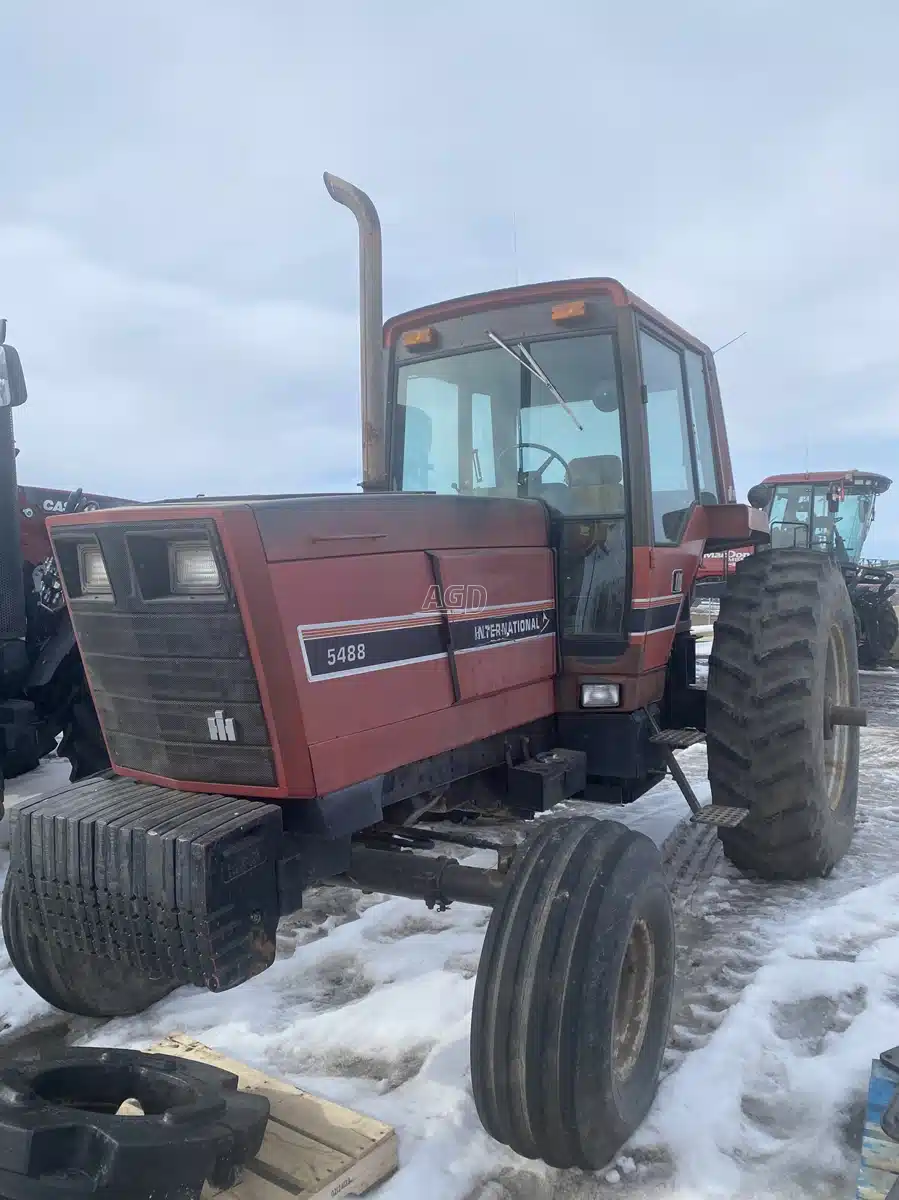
x=371 y=320
x=13 y=622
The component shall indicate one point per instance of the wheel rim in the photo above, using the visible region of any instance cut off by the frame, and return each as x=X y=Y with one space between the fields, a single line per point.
x=633 y=1001
x=836 y=740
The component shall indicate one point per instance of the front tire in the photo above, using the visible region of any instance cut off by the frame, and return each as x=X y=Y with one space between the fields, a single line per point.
x=784 y=649
x=573 y=996
x=85 y=985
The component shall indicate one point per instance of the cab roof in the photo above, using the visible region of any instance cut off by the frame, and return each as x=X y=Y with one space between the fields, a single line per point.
x=870 y=480
x=563 y=289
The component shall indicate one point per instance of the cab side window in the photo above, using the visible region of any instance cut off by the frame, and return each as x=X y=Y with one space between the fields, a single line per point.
x=702 y=428
x=431 y=436
x=670 y=457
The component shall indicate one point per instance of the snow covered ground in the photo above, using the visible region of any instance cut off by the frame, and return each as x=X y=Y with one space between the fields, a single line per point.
x=785 y=995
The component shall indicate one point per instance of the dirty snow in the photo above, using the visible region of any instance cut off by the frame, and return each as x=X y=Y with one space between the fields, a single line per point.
x=785 y=995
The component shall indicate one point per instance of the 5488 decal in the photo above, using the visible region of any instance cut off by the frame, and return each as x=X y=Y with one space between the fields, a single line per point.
x=347 y=654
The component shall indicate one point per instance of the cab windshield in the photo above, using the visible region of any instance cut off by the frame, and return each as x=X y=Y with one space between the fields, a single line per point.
x=480 y=423
x=800 y=517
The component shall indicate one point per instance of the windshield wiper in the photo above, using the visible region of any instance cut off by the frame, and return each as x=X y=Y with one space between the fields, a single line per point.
x=525 y=359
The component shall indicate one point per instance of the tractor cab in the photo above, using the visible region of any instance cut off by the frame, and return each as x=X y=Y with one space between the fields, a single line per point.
x=583 y=397
x=829 y=510
x=580 y=396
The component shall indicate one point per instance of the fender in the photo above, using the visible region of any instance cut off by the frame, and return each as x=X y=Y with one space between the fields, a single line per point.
x=51 y=657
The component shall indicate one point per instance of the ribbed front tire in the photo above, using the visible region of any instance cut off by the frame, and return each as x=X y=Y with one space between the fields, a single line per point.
x=573 y=996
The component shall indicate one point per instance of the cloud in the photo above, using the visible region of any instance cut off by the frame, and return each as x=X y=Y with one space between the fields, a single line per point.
x=163 y=387
x=179 y=284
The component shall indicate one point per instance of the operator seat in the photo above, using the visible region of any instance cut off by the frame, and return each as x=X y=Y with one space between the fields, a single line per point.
x=596 y=485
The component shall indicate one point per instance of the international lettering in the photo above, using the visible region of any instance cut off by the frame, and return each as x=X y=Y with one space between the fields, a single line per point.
x=497 y=631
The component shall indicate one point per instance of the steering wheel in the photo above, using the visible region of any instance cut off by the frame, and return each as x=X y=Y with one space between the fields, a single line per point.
x=552 y=454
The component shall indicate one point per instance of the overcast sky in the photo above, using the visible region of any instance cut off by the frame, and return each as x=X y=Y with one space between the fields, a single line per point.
x=183 y=291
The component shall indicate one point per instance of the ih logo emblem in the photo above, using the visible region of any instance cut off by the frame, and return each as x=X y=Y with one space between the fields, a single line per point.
x=221 y=728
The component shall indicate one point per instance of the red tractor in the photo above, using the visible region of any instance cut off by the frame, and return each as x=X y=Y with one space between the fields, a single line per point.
x=832 y=512
x=43 y=693
x=288 y=685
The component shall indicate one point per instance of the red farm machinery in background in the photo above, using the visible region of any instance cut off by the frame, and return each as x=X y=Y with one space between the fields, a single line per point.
x=44 y=698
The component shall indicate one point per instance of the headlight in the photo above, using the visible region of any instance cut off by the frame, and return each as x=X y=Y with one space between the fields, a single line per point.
x=193 y=568
x=92 y=572
x=600 y=695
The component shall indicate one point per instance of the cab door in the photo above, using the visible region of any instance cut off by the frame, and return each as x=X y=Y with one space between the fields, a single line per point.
x=682 y=470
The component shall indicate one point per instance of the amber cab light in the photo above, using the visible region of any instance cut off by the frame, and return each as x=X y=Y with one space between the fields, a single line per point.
x=570 y=311
x=420 y=339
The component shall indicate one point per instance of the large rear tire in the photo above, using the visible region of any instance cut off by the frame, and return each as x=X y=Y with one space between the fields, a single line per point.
x=784 y=649
x=84 y=985
x=573 y=996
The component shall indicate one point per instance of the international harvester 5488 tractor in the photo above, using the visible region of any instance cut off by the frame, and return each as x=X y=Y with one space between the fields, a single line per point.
x=499 y=621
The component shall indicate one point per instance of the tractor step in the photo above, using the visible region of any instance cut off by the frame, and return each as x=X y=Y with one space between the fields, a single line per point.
x=720 y=815
x=677 y=739
x=670 y=740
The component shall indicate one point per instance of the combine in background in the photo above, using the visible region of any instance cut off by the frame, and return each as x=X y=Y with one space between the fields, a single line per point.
x=832 y=511
x=43 y=693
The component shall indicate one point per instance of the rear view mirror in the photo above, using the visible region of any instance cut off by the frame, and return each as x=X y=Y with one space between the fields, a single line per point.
x=673 y=523
x=605 y=398
x=12 y=380
x=760 y=495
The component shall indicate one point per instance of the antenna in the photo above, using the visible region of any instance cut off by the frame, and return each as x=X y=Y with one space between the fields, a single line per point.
x=515 y=247
x=730 y=343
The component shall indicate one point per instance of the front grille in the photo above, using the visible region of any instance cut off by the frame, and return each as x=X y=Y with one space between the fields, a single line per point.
x=158 y=677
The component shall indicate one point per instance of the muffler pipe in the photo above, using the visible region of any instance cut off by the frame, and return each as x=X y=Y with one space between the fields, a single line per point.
x=371 y=321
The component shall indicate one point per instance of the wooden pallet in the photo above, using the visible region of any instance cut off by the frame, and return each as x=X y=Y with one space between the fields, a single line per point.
x=879 y=1168
x=313 y=1149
